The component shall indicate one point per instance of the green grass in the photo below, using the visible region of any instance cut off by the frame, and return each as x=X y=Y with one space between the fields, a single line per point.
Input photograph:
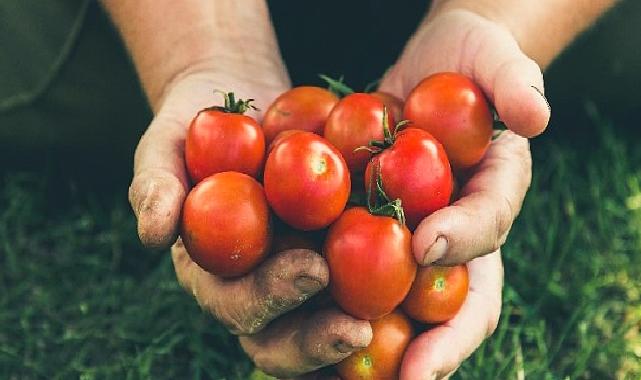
x=80 y=298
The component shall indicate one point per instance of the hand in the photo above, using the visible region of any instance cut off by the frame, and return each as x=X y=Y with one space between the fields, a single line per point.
x=479 y=221
x=283 y=282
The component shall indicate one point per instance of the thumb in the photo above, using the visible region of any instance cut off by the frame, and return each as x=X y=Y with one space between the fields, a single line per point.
x=160 y=183
x=512 y=81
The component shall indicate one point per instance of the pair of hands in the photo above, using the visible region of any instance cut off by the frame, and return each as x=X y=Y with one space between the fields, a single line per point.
x=473 y=228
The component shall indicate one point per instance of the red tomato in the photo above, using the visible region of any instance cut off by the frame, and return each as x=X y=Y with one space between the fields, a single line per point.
x=225 y=224
x=306 y=181
x=354 y=122
x=304 y=108
x=370 y=261
x=454 y=110
x=394 y=105
x=437 y=293
x=282 y=136
x=222 y=139
x=416 y=170
x=382 y=359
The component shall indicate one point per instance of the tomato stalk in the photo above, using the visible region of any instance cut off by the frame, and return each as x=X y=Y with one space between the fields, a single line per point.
x=337 y=86
x=383 y=205
x=377 y=146
x=232 y=105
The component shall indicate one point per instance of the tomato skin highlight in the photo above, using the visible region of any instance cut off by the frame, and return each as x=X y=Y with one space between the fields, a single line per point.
x=437 y=294
x=370 y=263
x=353 y=123
x=219 y=141
x=302 y=108
x=306 y=181
x=416 y=170
x=226 y=224
x=454 y=110
x=382 y=359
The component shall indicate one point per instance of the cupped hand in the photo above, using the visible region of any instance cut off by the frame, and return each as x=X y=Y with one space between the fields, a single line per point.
x=476 y=225
x=284 y=281
x=491 y=198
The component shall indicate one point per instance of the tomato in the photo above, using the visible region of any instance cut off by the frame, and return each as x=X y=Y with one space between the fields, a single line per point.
x=222 y=139
x=454 y=110
x=437 y=293
x=416 y=170
x=282 y=136
x=306 y=181
x=394 y=105
x=354 y=122
x=370 y=261
x=225 y=224
x=382 y=359
x=305 y=108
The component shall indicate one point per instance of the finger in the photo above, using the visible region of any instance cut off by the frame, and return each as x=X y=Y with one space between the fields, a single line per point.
x=478 y=223
x=436 y=353
x=300 y=343
x=245 y=305
x=512 y=81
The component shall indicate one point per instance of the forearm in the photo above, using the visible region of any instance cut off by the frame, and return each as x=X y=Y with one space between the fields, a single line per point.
x=168 y=39
x=543 y=28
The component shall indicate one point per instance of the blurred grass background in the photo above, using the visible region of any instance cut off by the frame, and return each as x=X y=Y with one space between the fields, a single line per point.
x=80 y=298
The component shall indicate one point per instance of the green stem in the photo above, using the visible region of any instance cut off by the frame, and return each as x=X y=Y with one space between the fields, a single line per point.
x=383 y=206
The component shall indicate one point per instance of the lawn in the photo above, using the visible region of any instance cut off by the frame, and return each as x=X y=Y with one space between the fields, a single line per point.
x=80 y=298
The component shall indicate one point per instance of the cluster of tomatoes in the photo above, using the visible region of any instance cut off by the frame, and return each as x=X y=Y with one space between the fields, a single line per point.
x=311 y=152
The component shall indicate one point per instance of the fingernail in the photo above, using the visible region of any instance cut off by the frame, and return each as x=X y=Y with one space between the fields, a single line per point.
x=343 y=347
x=308 y=285
x=543 y=96
x=435 y=251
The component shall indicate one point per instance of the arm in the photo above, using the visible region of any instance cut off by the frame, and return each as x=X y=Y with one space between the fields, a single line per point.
x=559 y=21
x=170 y=39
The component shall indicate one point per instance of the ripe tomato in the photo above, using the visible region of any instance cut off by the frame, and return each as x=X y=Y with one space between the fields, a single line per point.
x=394 y=105
x=282 y=136
x=225 y=224
x=416 y=170
x=437 y=293
x=222 y=139
x=381 y=360
x=371 y=265
x=354 y=122
x=454 y=110
x=306 y=181
x=305 y=108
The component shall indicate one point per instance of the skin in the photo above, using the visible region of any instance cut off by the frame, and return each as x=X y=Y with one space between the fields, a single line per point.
x=305 y=108
x=353 y=123
x=370 y=263
x=495 y=42
x=306 y=181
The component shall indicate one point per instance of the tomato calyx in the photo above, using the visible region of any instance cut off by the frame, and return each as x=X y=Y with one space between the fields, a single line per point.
x=379 y=203
x=337 y=86
x=232 y=105
x=377 y=146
